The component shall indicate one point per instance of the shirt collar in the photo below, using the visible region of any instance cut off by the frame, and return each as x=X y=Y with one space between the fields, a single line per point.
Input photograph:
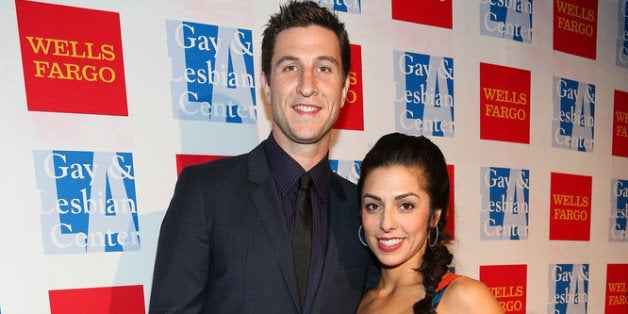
x=287 y=171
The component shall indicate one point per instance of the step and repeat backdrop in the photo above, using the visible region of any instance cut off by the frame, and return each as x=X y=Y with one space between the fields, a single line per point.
x=104 y=102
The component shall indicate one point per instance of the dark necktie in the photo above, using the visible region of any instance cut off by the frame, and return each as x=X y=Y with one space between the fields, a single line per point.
x=302 y=238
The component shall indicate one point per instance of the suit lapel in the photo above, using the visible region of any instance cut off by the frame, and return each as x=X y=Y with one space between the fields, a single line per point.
x=268 y=207
x=336 y=218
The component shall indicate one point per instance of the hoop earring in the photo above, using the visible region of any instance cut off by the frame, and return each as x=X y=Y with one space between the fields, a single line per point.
x=363 y=242
x=433 y=243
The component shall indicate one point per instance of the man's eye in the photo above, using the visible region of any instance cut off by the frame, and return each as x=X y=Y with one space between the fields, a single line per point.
x=325 y=69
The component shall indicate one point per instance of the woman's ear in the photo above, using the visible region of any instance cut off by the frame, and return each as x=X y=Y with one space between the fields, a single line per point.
x=435 y=217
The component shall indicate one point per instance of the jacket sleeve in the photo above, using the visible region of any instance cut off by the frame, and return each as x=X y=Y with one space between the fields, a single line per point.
x=183 y=254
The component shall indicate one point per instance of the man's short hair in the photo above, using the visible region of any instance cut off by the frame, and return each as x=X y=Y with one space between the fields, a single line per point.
x=303 y=14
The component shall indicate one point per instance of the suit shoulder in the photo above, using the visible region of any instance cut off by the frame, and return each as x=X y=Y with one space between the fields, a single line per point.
x=346 y=184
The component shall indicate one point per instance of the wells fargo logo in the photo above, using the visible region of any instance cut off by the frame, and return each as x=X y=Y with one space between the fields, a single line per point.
x=72 y=59
x=616 y=288
x=352 y=114
x=428 y=12
x=120 y=299
x=451 y=210
x=575 y=27
x=570 y=207
x=508 y=285
x=620 y=124
x=184 y=160
x=504 y=103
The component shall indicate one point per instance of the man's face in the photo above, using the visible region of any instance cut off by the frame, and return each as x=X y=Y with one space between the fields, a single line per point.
x=306 y=87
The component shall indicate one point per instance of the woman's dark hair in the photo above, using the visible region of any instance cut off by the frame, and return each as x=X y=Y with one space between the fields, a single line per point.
x=421 y=154
x=303 y=14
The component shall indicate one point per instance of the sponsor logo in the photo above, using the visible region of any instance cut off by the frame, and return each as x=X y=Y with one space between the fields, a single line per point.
x=450 y=227
x=618 y=231
x=424 y=100
x=570 y=207
x=575 y=27
x=504 y=103
x=574 y=111
x=121 y=299
x=622 y=34
x=428 y=12
x=88 y=201
x=348 y=169
x=212 y=72
x=505 y=203
x=620 y=124
x=616 y=288
x=349 y=6
x=568 y=288
x=351 y=116
x=507 y=19
x=184 y=160
x=510 y=291
x=72 y=59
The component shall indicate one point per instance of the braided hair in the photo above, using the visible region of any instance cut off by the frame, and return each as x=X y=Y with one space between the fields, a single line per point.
x=421 y=154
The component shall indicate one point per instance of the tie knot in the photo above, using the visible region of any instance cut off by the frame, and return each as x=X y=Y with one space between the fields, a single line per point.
x=305 y=182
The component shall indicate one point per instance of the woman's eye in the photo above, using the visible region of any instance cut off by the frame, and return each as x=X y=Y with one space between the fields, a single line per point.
x=407 y=206
x=371 y=207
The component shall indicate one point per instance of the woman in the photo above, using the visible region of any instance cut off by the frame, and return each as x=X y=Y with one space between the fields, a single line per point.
x=404 y=189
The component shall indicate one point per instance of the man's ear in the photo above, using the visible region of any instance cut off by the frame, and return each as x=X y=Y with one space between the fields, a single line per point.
x=345 y=89
x=265 y=87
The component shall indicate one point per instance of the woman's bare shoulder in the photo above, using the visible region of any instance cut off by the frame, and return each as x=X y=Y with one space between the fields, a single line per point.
x=470 y=295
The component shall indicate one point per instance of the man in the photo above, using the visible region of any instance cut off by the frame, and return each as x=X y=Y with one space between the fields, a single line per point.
x=225 y=244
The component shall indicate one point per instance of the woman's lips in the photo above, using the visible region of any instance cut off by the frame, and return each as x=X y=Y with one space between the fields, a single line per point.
x=389 y=245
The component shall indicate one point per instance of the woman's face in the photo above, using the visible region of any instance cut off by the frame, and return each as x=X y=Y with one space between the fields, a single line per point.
x=395 y=215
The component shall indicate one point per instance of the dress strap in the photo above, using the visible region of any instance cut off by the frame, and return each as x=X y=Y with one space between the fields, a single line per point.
x=442 y=286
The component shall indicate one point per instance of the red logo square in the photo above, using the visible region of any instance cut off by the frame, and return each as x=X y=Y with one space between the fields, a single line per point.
x=429 y=12
x=570 y=207
x=620 y=124
x=351 y=115
x=508 y=285
x=504 y=103
x=575 y=27
x=123 y=299
x=616 y=288
x=188 y=160
x=450 y=227
x=72 y=59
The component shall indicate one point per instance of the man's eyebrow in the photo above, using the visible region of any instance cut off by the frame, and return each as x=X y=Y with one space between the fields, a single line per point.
x=328 y=58
x=289 y=58
x=285 y=59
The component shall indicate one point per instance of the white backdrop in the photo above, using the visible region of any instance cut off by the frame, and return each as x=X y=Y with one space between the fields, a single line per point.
x=154 y=138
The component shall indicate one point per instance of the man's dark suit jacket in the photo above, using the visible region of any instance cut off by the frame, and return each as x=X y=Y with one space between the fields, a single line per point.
x=224 y=248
